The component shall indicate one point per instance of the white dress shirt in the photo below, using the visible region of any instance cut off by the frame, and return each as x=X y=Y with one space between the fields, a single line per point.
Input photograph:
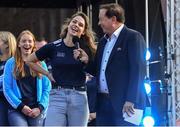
x=103 y=88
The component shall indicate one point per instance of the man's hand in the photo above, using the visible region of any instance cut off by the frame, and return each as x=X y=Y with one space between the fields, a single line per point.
x=128 y=108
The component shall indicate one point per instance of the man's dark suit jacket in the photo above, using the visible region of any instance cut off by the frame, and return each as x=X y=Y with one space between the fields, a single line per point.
x=126 y=69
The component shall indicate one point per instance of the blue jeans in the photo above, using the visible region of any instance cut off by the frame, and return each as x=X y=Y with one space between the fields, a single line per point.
x=3 y=113
x=17 y=118
x=67 y=108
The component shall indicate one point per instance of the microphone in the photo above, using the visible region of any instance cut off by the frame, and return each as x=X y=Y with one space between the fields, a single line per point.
x=76 y=41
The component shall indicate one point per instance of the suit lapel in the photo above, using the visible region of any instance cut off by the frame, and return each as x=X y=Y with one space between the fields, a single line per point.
x=117 y=44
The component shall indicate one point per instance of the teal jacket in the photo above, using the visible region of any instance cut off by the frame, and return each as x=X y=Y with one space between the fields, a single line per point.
x=12 y=91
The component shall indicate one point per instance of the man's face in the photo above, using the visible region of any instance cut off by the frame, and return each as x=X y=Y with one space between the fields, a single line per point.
x=105 y=22
x=40 y=44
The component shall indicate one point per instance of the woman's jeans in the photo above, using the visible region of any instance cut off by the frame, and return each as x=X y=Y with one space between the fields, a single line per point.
x=67 y=107
x=17 y=118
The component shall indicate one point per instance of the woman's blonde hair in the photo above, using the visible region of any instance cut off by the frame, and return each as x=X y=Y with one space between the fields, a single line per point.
x=19 y=70
x=9 y=39
x=88 y=33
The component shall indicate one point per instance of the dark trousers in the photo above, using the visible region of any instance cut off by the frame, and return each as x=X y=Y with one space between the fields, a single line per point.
x=106 y=115
x=3 y=113
x=92 y=123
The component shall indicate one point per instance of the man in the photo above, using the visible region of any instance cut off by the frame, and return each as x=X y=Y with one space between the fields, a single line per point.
x=40 y=43
x=120 y=68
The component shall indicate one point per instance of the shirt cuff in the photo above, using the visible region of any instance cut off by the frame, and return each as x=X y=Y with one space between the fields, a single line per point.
x=20 y=106
x=41 y=108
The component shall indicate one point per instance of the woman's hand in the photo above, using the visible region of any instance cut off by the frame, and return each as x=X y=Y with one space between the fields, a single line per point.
x=50 y=77
x=80 y=54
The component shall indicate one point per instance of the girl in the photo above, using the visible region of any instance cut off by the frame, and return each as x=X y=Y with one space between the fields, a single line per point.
x=7 y=50
x=68 y=100
x=26 y=91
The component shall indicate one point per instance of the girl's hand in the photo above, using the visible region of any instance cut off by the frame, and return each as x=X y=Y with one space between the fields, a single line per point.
x=26 y=110
x=80 y=54
x=51 y=78
x=35 y=112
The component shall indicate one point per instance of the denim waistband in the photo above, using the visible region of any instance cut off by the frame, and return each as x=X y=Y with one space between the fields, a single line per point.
x=78 y=88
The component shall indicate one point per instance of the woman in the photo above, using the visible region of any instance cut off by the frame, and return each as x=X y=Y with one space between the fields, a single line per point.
x=7 y=50
x=26 y=91
x=68 y=99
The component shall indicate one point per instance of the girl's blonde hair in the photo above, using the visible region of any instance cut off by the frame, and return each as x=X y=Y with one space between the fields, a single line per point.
x=9 y=39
